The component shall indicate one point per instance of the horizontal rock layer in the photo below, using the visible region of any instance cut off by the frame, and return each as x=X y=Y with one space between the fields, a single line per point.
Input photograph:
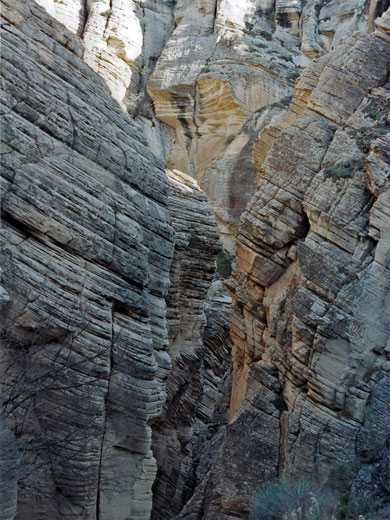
x=309 y=285
x=221 y=65
x=209 y=67
x=199 y=349
x=87 y=249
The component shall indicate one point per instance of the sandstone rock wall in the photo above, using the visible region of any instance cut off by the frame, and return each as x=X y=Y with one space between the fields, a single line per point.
x=200 y=356
x=87 y=248
x=89 y=220
x=209 y=67
x=224 y=62
x=310 y=314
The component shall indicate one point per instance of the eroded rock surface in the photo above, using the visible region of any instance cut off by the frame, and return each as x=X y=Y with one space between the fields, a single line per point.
x=86 y=258
x=209 y=67
x=199 y=349
x=223 y=63
x=310 y=319
x=89 y=219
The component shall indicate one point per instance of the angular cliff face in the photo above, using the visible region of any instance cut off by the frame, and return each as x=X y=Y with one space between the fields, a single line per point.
x=209 y=68
x=90 y=226
x=108 y=260
x=310 y=315
x=87 y=248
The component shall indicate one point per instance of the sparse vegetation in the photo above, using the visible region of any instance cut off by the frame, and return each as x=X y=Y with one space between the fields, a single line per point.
x=373 y=111
x=343 y=169
x=305 y=499
x=224 y=265
x=169 y=164
x=271 y=20
x=362 y=508
x=293 y=500
x=283 y=103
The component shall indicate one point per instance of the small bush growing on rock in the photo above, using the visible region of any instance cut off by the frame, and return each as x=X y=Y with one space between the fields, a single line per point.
x=362 y=508
x=224 y=265
x=373 y=111
x=293 y=500
x=271 y=20
x=169 y=164
x=344 y=169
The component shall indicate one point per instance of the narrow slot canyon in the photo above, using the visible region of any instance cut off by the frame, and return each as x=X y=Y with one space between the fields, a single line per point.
x=195 y=223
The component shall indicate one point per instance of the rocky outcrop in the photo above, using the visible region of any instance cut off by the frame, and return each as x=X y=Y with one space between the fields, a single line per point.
x=99 y=296
x=87 y=248
x=209 y=67
x=199 y=349
x=310 y=314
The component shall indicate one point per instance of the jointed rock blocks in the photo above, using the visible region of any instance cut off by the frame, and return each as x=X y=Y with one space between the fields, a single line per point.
x=311 y=276
x=107 y=260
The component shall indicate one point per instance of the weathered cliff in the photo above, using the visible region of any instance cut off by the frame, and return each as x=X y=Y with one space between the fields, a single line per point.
x=311 y=282
x=86 y=256
x=226 y=61
x=212 y=69
x=199 y=350
x=108 y=260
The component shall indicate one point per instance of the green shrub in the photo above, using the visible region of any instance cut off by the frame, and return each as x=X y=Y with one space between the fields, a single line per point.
x=352 y=507
x=169 y=164
x=293 y=500
x=271 y=20
x=224 y=265
x=338 y=170
x=343 y=169
x=373 y=111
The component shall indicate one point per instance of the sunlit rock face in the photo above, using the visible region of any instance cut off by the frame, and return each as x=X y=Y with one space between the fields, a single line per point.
x=209 y=67
x=310 y=315
x=224 y=62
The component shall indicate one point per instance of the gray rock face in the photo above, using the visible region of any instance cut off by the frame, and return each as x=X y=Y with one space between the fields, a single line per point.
x=200 y=356
x=87 y=248
x=107 y=260
x=9 y=466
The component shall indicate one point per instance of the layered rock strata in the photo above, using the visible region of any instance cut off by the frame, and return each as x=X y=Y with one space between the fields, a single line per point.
x=87 y=249
x=209 y=67
x=222 y=64
x=88 y=236
x=310 y=315
x=199 y=350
